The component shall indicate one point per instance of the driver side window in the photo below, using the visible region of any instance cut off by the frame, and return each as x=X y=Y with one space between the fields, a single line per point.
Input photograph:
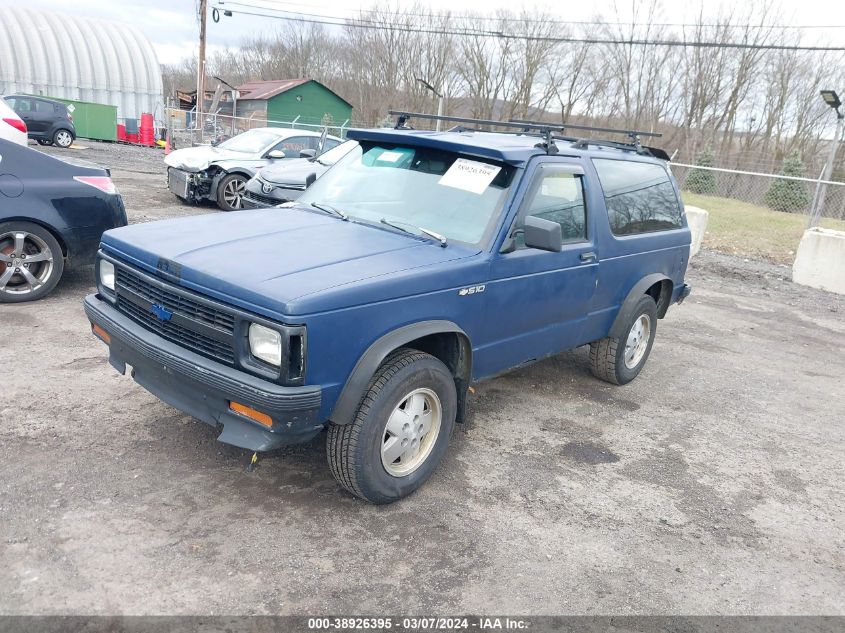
x=558 y=195
x=295 y=144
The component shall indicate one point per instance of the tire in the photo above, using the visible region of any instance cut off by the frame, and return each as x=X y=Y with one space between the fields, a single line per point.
x=20 y=280
x=359 y=453
x=63 y=138
x=620 y=360
x=43 y=141
x=230 y=192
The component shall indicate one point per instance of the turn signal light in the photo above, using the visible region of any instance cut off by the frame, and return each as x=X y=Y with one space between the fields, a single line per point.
x=101 y=334
x=252 y=414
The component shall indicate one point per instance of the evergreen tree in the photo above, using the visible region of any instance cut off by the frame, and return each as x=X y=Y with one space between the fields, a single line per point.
x=702 y=181
x=789 y=195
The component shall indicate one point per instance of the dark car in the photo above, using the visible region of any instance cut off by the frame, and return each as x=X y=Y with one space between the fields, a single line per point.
x=285 y=181
x=48 y=122
x=52 y=214
x=420 y=263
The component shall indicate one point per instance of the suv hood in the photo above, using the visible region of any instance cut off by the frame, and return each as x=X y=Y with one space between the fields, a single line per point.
x=199 y=158
x=291 y=172
x=281 y=261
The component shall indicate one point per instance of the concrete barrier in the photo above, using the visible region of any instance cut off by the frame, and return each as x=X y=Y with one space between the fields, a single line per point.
x=697 y=221
x=820 y=260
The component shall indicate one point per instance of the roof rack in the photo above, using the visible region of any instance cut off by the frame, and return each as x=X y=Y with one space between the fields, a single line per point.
x=540 y=128
x=546 y=131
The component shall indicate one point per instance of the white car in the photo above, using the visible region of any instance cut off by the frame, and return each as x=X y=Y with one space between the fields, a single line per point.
x=12 y=127
x=219 y=173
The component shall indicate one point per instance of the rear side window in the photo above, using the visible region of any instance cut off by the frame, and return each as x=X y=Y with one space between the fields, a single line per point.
x=44 y=107
x=640 y=197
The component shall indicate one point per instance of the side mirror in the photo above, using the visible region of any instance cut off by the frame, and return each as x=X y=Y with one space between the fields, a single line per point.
x=543 y=234
x=308 y=153
x=309 y=179
x=276 y=154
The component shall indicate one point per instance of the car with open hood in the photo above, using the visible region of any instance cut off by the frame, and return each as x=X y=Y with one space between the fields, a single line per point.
x=420 y=263
x=285 y=181
x=219 y=173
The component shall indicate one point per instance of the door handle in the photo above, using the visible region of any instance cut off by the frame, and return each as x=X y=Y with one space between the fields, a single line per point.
x=588 y=257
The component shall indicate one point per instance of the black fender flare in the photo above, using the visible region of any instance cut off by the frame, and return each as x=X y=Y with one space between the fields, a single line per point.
x=357 y=383
x=625 y=311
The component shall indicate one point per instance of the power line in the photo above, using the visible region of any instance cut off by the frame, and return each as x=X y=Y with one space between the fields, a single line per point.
x=313 y=18
x=487 y=18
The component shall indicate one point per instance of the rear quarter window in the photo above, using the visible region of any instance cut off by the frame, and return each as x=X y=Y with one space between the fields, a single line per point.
x=640 y=197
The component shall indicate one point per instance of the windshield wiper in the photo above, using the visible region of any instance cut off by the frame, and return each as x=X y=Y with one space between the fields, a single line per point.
x=396 y=225
x=325 y=208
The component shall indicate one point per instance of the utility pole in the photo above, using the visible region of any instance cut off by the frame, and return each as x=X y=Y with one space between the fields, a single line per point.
x=203 y=10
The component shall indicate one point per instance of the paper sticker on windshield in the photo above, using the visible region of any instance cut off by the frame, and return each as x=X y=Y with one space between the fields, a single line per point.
x=390 y=157
x=469 y=175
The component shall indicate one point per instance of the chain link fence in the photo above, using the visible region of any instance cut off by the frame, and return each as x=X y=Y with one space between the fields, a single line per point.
x=814 y=198
x=183 y=129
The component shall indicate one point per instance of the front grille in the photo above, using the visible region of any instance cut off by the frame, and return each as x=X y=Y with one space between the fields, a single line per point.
x=195 y=325
x=174 y=301
x=178 y=334
x=258 y=198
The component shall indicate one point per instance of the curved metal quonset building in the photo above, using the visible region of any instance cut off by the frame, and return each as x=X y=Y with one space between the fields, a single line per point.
x=85 y=59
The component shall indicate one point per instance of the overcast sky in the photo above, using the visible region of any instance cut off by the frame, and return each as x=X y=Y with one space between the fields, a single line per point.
x=172 y=27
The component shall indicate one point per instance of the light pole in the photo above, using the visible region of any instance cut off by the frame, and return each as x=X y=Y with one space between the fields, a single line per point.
x=832 y=99
x=234 y=100
x=439 y=100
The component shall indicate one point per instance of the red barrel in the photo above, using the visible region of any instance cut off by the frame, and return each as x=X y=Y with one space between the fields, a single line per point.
x=147 y=129
x=121 y=132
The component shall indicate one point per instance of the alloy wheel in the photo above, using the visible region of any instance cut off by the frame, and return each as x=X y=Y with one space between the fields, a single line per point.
x=637 y=341
x=411 y=432
x=233 y=192
x=26 y=262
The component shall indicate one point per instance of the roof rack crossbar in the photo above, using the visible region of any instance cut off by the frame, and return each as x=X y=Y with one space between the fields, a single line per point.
x=588 y=128
x=404 y=116
x=545 y=130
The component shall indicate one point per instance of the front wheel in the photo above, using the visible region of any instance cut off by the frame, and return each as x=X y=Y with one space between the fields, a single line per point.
x=31 y=262
x=620 y=360
x=230 y=192
x=401 y=431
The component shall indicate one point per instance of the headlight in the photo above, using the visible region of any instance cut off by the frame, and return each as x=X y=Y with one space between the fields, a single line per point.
x=107 y=274
x=265 y=344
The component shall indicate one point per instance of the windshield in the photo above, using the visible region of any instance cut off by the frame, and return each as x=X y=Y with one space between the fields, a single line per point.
x=336 y=153
x=454 y=195
x=250 y=142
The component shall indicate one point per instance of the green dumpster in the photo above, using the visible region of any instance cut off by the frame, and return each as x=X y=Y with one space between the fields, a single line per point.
x=96 y=121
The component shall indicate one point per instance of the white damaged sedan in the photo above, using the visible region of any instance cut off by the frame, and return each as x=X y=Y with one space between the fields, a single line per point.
x=219 y=173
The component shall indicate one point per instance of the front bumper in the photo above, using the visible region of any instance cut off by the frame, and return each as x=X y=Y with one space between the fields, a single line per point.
x=204 y=389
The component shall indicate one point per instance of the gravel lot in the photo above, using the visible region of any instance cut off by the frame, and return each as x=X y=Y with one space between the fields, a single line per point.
x=710 y=485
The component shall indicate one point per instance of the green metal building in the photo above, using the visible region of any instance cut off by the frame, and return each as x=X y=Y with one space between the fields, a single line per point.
x=299 y=101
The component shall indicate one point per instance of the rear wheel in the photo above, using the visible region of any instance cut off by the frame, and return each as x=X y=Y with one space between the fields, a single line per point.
x=230 y=192
x=31 y=262
x=620 y=360
x=401 y=431
x=63 y=138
